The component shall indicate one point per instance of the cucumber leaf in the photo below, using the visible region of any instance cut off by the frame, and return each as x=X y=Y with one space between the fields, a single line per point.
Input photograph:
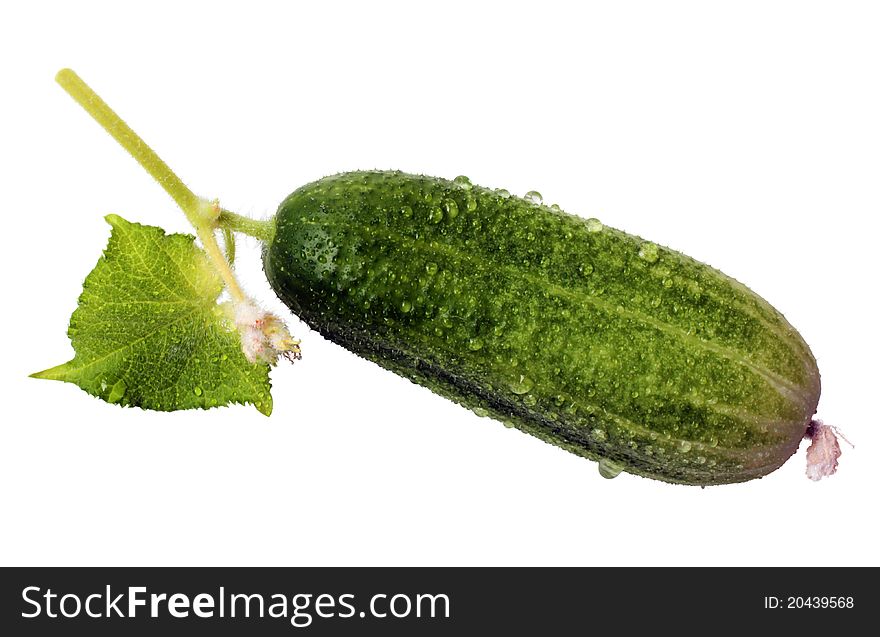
x=149 y=331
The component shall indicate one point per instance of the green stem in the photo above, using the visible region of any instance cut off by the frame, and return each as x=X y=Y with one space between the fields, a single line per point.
x=201 y=213
x=128 y=139
x=262 y=230
x=228 y=245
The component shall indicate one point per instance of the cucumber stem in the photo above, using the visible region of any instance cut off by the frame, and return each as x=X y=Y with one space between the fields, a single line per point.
x=128 y=139
x=202 y=214
x=264 y=231
x=228 y=245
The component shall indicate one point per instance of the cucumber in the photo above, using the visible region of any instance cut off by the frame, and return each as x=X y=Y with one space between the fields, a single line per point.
x=609 y=346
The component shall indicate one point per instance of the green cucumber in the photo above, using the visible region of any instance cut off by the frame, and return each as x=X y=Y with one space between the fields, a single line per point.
x=594 y=340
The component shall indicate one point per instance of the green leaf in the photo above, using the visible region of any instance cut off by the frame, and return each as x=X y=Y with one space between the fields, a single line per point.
x=149 y=332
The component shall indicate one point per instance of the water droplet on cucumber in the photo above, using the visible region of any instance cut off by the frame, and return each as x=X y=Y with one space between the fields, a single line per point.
x=463 y=182
x=522 y=386
x=649 y=252
x=609 y=469
x=594 y=225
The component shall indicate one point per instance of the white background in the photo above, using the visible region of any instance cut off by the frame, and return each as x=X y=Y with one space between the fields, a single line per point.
x=745 y=134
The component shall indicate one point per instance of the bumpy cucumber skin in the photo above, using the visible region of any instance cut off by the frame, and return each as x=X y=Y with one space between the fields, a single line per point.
x=589 y=338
